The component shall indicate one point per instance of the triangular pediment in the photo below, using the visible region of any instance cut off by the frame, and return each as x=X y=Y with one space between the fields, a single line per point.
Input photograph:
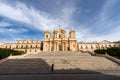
x=105 y=41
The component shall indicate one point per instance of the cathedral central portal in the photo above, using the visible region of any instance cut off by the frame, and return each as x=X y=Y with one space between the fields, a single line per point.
x=60 y=48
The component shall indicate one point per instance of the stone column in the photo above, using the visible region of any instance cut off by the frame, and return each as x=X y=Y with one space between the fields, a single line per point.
x=56 y=46
x=50 y=46
x=63 y=47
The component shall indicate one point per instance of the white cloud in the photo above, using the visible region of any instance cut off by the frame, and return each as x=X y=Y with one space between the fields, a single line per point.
x=42 y=20
x=37 y=19
x=20 y=30
x=104 y=22
x=12 y=30
x=4 y=24
x=113 y=36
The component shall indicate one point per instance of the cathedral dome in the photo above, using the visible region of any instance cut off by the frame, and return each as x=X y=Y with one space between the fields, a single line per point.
x=59 y=30
x=72 y=30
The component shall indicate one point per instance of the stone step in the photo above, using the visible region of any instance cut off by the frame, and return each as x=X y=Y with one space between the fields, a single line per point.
x=58 y=54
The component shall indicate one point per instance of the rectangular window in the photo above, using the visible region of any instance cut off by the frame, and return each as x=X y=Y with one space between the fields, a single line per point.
x=59 y=36
x=110 y=46
x=16 y=46
x=81 y=47
x=91 y=47
x=86 y=47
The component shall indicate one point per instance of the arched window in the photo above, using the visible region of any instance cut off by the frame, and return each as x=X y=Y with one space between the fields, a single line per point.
x=36 y=46
x=10 y=47
x=81 y=47
x=26 y=46
x=46 y=36
x=91 y=47
x=21 y=46
x=16 y=46
x=110 y=46
x=86 y=47
x=30 y=46
x=59 y=36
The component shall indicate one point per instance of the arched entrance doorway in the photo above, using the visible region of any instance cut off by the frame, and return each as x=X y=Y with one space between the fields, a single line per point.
x=60 y=47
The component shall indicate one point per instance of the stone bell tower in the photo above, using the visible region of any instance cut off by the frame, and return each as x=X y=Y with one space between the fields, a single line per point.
x=72 y=40
x=46 y=44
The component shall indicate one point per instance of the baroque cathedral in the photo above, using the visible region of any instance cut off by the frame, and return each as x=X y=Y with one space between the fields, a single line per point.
x=58 y=42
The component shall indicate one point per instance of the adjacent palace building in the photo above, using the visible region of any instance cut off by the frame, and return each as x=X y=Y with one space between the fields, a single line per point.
x=59 y=42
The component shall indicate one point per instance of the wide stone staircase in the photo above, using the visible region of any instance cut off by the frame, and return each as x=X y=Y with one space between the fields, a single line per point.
x=62 y=61
x=75 y=60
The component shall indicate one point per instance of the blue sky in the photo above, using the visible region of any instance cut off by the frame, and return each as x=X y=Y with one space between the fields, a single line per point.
x=93 y=20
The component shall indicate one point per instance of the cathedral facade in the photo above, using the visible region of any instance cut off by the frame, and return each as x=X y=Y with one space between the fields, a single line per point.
x=59 y=41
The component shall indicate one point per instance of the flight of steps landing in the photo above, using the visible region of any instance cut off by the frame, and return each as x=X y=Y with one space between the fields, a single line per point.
x=57 y=54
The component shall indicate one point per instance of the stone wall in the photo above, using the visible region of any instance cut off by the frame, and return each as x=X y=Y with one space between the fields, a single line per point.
x=91 y=46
